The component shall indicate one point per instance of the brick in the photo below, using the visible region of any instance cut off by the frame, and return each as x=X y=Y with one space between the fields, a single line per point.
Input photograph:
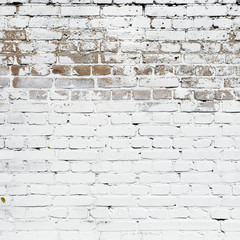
x=122 y=11
x=162 y=94
x=75 y=83
x=206 y=11
x=101 y=70
x=119 y=119
x=80 y=11
x=165 y=35
x=61 y=70
x=165 y=11
x=4 y=82
x=39 y=10
x=82 y=70
x=29 y=82
x=44 y=34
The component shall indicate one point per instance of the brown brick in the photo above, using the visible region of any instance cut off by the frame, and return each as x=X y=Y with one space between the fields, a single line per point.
x=38 y=95
x=143 y=70
x=141 y=94
x=101 y=70
x=74 y=83
x=82 y=70
x=223 y=95
x=79 y=95
x=61 y=70
x=204 y=95
x=4 y=82
x=19 y=70
x=162 y=94
x=121 y=94
x=30 y=82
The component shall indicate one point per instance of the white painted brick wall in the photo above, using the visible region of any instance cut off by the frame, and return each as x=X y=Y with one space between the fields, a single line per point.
x=119 y=119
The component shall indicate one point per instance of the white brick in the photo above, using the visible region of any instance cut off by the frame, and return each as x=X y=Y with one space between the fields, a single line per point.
x=207 y=11
x=165 y=11
x=80 y=11
x=122 y=11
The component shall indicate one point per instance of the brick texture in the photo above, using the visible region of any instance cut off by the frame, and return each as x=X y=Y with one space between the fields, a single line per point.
x=120 y=119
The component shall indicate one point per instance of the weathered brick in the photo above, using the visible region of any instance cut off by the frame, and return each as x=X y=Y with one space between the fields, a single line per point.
x=4 y=82
x=80 y=11
x=119 y=119
x=116 y=82
x=162 y=94
x=61 y=70
x=143 y=70
x=141 y=94
x=121 y=94
x=72 y=58
x=74 y=83
x=122 y=10
x=30 y=82
x=223 y=95
x=101 y=70
x=204 y=95
x=38 y=95
x=4 y=70
x=80 y=95
x=19 y=70
x=82 y=70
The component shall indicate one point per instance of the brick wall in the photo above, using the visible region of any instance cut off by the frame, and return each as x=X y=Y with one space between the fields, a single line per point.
x=120 y=120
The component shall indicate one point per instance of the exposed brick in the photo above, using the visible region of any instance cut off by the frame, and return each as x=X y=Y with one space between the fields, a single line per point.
x=61 y=70
x=80 y=95
x=4 y=70
x=121 y=94
x=30 y=82
x=116 y=82
x=74 y=83
x=119 y=119
x=4 y=82
x=19 y=70
x=204 y=95
x=162 y=94
x=141 y=94
x=38 y=95
x=101 y=70
x=223 y=95
x=69 y=58
x=82 y=70
x=145 y=70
